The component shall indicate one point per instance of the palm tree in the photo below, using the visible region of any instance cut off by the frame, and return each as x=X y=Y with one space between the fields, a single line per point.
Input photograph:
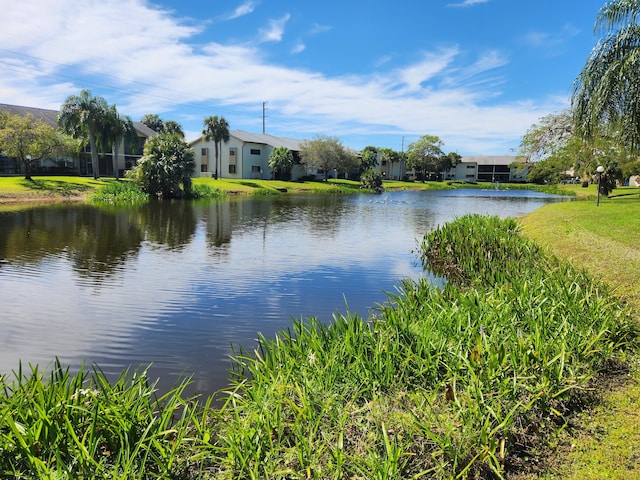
x=606 y=94
x=172 y=127
x=216 y=129
x=119 y=128
x=83 y=116
x=281 y=161
x=153 y=121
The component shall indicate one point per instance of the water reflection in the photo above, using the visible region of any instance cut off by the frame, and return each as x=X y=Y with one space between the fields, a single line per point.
x=176 y=284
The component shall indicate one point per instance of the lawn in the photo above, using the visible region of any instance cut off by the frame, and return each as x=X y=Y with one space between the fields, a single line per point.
x=604 y=240
x=17 y=189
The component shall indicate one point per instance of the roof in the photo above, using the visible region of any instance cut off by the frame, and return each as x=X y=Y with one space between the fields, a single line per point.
x=294 y=144
x=51 y=117
x=144 y=130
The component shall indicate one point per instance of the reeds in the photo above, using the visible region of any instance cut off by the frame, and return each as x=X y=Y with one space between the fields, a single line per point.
x=119 y=193
x=64 y=426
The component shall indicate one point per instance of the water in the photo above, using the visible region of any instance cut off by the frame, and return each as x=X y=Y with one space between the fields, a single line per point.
x=176 y=285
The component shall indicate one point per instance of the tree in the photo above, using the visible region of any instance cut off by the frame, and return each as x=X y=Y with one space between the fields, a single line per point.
x=281 y=161
x=326 y=153
x=451 y=160
x=426 y=155
x=153 y=121
x=30 y=140
x=168 y=162
x=368 y=158
x=83 y=116
x=606 y=94
x=216 y=129
x=119 y=129
x=172 y=127
x=552 y=147
x=546 y=138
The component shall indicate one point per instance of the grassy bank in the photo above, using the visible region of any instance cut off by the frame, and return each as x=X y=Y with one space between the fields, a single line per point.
x=462 y=383
x=605 y=241
x=16 y=191
x=468 y=381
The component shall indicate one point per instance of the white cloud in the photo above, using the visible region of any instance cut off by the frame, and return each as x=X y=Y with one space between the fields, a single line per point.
x=467 y=3
x=298 y=48
x=317 y=29
x=245 y=9
x=552 y=42
x=431 y=64
x=148 y=62
x=275 y=31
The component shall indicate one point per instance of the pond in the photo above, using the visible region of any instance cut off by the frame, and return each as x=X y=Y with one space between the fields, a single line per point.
x=180 y=285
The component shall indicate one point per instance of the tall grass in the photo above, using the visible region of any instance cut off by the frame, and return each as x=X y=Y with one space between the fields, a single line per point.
x=201 y=191
x=67 y=426
x=123 y=192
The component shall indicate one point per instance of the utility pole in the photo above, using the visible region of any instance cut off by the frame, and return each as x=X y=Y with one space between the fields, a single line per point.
x=263 y=116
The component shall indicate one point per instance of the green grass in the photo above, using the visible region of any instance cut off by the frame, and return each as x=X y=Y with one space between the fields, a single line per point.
x=276 y=187
x=605 y=241
x=122 y=192
x=68 y=426
x=58 y=188
x=48 y=188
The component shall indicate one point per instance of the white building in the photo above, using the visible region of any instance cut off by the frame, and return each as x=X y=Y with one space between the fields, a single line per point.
x=245 y=155
x=488 y=168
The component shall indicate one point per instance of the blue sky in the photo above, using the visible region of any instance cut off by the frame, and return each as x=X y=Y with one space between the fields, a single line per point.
x=476 y=73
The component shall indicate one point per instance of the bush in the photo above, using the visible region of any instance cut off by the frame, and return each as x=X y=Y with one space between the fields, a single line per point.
x=119 y=193
x=168 y=162
x=371 y=179
x=199 y=191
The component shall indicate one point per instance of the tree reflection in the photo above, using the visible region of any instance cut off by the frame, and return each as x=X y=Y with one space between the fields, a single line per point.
x=169 y=223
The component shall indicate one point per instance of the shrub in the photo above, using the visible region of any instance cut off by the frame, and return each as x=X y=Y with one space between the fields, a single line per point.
x=119 y=193
x=371 y=179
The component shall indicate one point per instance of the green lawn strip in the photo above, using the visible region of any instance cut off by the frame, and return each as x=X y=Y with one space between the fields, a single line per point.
x=48 y=187
x=604 y=240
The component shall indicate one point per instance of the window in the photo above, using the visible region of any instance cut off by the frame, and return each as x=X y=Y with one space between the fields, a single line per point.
x=256 y=168
x=471 y=166
x=232 y=152
x=204 y=152
x=203 y=167
x=255 y=151
x=384 y=162
x=232 y=169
